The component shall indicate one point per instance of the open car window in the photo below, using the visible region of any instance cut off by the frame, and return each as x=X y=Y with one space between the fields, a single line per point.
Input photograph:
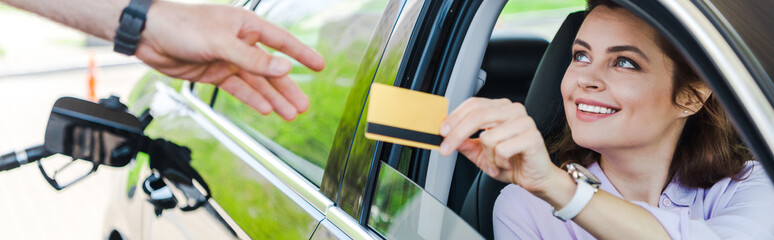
x=537 y=17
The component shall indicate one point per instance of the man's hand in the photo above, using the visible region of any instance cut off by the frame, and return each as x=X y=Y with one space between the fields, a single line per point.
x=201 y=43
x=217 y=44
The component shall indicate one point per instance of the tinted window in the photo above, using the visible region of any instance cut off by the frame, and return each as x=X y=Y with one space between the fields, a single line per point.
x=205 y=92
x=340 y=31
x=351 y=195
x=751 y=20
x=402 y=210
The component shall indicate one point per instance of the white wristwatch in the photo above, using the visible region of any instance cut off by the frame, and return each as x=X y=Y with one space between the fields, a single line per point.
x=588 y=184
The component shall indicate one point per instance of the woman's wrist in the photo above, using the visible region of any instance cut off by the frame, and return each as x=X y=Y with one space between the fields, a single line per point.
x=558 y=190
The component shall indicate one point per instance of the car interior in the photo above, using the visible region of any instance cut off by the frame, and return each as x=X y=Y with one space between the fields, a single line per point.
x=510 y=62
x=517 y=69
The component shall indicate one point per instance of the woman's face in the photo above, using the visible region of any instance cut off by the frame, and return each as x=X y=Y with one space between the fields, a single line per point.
x=618 y=89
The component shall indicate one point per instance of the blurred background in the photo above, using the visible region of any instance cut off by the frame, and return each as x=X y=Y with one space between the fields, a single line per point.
x=40 y=61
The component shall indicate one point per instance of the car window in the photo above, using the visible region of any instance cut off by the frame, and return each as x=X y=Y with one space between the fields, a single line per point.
x=340 y=31
x=750 y=21
x=403 y=210
x=205 y=92
x=350 y=196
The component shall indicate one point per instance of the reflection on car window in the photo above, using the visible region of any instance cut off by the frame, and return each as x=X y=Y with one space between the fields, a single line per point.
x=536 y=16
x=340 y=31
x=402 y=210
x=205 y=92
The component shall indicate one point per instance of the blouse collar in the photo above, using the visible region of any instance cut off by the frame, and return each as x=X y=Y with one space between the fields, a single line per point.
x=678 y=194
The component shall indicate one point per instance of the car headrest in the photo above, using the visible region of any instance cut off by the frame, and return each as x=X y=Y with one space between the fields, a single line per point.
x=544 y=100
x=544 y=104
x=510 y=62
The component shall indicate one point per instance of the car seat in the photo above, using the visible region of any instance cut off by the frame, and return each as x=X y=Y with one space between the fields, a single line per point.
x=544 y=105
x=510 y=62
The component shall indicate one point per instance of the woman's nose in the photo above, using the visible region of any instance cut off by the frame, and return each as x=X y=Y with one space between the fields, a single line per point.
x=591 y=82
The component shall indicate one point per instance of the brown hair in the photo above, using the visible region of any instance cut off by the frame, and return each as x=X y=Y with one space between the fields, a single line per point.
x=708 y=149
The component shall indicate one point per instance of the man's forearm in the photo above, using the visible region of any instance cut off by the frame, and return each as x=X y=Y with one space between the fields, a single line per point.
x=96 y=17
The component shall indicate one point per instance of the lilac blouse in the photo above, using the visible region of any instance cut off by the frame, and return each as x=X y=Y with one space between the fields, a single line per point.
x=728 y=210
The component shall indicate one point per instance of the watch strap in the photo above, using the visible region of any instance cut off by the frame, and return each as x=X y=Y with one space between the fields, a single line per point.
x=131 y=24
x=582 y=196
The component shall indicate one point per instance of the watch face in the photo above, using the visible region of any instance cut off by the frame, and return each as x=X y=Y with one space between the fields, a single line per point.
x=583 y=173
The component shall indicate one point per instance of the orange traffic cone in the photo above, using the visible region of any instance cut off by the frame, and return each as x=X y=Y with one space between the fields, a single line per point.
x=92 y=79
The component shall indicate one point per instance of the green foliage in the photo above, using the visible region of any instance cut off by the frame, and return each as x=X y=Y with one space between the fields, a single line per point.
x=140 y=162
x=534 y=5
x=311 y=135
x=394 y=193
x=262 y=210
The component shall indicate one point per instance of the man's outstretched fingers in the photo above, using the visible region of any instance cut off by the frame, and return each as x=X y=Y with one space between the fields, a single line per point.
x=291 y=92
x=280 y=40
x=253 y=59
x=278 y=102
x=245 y=93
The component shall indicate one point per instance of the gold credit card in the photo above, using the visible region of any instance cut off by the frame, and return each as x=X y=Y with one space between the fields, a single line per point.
x=405 y=117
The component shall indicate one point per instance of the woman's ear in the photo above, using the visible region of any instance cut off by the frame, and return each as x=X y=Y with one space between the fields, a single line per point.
x=693 y=99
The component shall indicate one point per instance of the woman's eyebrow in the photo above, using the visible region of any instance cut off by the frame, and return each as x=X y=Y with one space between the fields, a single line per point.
x=582 y=43
x=629 y=48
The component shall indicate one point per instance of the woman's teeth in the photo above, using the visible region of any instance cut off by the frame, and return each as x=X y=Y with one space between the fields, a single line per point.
x=595 y=109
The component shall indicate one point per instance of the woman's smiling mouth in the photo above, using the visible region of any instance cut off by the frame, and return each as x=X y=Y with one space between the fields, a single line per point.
x=590 y=110
x=595 y=109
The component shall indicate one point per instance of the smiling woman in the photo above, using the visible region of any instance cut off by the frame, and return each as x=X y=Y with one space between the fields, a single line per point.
x=707 y=148
x=653 y=137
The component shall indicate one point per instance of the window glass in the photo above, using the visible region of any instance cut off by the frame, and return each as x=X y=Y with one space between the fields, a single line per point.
x=402 y=210
x=751 y=20
x=541 y=17
x=340 y=31
x=204 y=92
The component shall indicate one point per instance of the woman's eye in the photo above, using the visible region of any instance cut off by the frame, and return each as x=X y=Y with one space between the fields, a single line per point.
x=626 y=63
x=580 y=57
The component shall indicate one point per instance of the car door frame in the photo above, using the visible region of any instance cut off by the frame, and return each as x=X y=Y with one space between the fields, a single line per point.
x=284 y=176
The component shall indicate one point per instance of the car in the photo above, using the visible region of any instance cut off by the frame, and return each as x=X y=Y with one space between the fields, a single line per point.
x=318 y=177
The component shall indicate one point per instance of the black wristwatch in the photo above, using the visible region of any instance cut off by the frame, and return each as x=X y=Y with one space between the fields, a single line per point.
x=131 y=24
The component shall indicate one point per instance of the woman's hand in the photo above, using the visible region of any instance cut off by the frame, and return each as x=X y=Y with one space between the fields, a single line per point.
x=511 y=149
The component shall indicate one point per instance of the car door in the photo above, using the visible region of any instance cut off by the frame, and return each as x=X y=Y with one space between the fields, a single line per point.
x=384 y=186
x=266 y=175
x=387 y=188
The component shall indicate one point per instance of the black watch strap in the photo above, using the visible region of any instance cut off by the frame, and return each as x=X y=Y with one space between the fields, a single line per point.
x=131 y=24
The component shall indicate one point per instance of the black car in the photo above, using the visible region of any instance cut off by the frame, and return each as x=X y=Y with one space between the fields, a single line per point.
x=318 y=177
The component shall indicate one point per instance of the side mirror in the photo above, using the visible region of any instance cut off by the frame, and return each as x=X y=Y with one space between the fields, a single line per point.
x=103 y=133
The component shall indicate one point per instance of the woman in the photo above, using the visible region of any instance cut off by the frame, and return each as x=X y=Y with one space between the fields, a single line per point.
x=665 y=157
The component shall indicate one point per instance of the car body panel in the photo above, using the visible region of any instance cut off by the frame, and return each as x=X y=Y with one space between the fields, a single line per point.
x=242 y=194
